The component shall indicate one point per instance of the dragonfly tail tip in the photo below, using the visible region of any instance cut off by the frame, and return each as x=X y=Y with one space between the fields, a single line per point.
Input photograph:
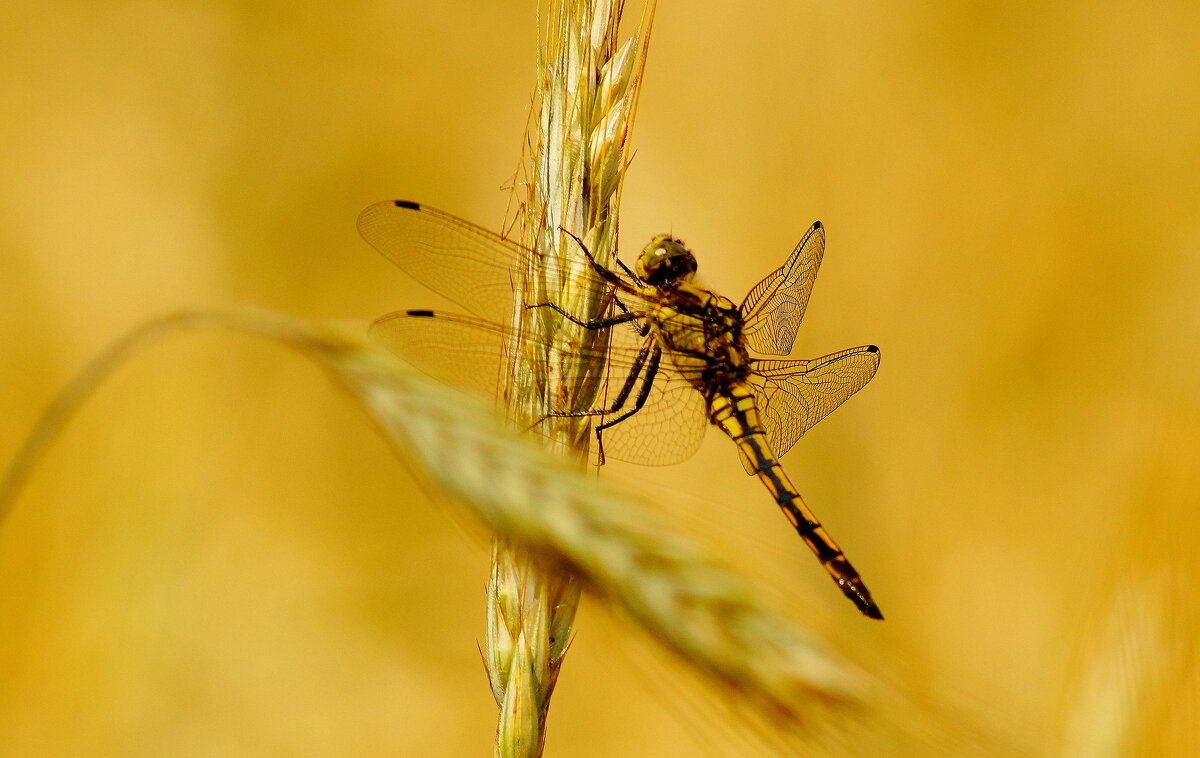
x=861 y=597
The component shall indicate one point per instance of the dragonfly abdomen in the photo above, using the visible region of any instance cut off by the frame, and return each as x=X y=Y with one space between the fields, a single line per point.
x=735 y=414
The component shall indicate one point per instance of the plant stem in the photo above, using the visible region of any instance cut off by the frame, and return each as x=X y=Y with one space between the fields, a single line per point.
x=579 y=133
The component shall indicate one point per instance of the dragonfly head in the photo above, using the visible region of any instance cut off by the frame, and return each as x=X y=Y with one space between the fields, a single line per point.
x=665 y=262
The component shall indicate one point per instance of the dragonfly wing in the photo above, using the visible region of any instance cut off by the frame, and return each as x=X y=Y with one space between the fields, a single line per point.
x=473 y=354
x=468 y=264
x=458 y=350
x=477 y=269
x=773 y=310
x=795 y=395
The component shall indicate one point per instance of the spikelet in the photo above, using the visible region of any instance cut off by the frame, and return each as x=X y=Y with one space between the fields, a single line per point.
x=579 y=130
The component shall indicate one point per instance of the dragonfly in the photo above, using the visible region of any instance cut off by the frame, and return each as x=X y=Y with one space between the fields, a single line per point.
x=677 y=354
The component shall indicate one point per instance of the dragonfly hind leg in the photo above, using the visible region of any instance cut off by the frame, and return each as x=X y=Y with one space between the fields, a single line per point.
x=654 y=354
x=638 y=403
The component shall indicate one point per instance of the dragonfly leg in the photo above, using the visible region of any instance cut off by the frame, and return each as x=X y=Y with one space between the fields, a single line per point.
x=638 y=404
x=641 y=328
x=599 y=323
x=601 y=271
x=626 y=388
x=628 y=271
x=636 y=279
x=623 y=395
x=655 y=355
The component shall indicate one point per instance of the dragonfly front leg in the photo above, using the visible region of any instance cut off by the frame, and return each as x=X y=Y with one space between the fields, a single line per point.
x=629 y=272
x=603 y=272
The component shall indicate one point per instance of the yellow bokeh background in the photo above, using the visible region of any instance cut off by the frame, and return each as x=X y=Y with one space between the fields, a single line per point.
x=220 y=557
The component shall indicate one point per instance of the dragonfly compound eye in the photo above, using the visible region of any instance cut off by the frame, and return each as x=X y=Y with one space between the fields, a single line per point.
x=666 y=261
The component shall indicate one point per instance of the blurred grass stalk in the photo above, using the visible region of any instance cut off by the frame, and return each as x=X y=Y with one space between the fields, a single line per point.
x=578 y=135
x=566 y=524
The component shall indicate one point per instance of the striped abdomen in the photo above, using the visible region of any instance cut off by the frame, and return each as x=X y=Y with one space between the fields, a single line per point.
x=736 y=415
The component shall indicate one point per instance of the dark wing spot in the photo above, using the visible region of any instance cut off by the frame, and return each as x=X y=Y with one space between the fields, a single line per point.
x=872 y=349
x=419 y=314
x=816 y=225
x=408 y=204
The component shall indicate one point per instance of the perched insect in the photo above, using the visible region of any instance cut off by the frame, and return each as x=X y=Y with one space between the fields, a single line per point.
x=685 y=361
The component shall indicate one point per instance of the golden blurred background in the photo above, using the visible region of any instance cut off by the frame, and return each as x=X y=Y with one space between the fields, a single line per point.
x=221 y=558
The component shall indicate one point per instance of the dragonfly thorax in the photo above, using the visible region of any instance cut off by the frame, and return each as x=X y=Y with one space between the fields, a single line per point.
x=665 y=262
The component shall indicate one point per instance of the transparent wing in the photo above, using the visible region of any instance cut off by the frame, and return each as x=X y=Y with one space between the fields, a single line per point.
x=473 y=354
x=470 y=265
x=794 y=395
x=773 y=310
x=667 y=430
x=458 y=350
